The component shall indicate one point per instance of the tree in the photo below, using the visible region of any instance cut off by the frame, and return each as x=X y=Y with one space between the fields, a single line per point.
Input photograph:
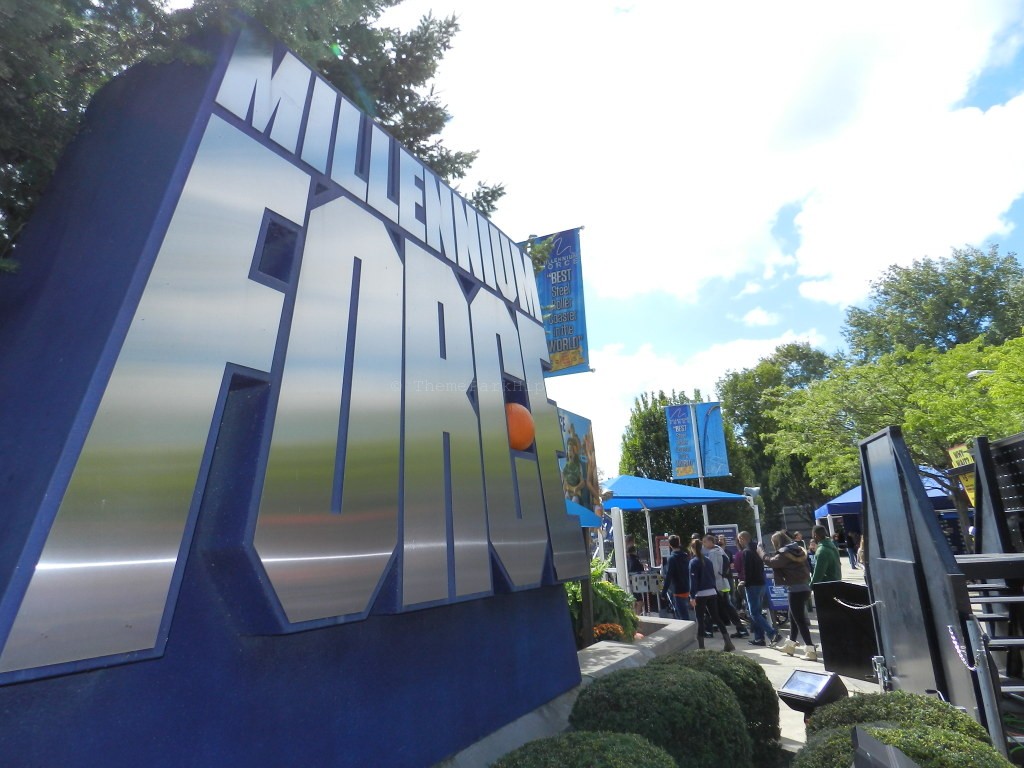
x=940 y=303
x=748 y=398
x=55 y=54
x=646 y=453
x=926 y=391
x=538 y=249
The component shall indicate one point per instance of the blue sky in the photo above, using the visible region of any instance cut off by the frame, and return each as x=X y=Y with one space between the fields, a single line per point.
x=742 y=170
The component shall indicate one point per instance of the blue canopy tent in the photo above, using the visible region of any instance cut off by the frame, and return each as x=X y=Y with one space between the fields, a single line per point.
x=631 y=494
x=849 y=503
x=634 y=494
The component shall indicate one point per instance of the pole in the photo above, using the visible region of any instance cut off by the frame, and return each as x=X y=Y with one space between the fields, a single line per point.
x=619 y=537
x=700 y=459
x=650 y=538
x=587 y=605
x=757 y=520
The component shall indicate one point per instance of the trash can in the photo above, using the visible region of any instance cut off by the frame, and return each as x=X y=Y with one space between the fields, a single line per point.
x=846 y=628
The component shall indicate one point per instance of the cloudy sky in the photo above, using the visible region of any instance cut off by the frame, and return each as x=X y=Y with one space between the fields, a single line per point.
x=742 y=170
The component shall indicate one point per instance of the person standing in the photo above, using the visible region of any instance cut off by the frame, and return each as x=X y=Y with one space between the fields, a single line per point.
x=723 y=567
x=739 y=593
x=677 y=578
x=754 y=585
x=826 y=557
x=790 y=565
x=704 y=594
x=852 y=542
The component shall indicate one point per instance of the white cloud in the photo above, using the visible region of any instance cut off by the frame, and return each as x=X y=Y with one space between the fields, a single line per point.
x=677 y=132
x=749 y=289
x=796 y=102
x=760 y=317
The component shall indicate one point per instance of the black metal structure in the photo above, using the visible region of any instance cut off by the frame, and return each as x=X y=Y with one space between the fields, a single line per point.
x=919 y=592
x=845 y=628
x=945 y=623
x=999 y=500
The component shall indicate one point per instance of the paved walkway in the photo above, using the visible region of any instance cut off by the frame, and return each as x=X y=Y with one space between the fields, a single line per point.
x=779 y=666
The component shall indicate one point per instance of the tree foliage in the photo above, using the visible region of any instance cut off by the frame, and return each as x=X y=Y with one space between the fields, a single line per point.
x=748 y=398
x=55 y=54
x=926 y=391
x=939 y=303
x=539 y=251
x=800 y=414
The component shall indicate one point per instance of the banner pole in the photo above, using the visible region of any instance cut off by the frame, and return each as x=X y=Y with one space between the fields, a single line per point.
x=700 y=459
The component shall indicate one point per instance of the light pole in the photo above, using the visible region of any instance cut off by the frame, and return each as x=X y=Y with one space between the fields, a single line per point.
x=752 y=494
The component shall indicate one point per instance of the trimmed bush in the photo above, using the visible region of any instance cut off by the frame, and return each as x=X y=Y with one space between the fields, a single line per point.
x=927 y=746
x=690 y=714
x=898 y=707
x=583 y=749
x=746 y=679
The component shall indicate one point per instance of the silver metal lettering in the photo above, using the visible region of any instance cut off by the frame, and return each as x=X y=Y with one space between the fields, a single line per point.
x=504 y=272
x=346 y=149
x=102 y=582
x=344 y=340
x=440 y=219
x=250 y=80
x=380 y=174
x=518 y=533
x=564 y=529
x=410 y=196
x=316 y=142
x=526 y=285
x=443 y=475
x=486 y=255
x=466 y=237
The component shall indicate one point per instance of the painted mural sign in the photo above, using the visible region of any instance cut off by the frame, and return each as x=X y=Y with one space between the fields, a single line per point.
x=254 y=436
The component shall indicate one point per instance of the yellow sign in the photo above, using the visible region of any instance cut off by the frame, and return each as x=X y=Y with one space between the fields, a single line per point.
x=960 y=456
x=967 y=481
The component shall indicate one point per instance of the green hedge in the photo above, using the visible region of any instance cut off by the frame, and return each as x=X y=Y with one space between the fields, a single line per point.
x=927 y=746
x=583 y=749
x=690 y=714
x=747 y=680
x=897 y=707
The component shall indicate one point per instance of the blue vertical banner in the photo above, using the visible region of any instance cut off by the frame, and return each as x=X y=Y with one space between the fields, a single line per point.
x=696 y=440
x=711 y=433
x=681 y=441
x=560 y=289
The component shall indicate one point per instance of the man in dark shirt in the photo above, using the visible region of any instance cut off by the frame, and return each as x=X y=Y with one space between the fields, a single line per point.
x=754 y=587
x=677 y=578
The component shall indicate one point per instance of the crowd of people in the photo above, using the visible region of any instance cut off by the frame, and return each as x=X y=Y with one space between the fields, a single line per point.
x=707 y=583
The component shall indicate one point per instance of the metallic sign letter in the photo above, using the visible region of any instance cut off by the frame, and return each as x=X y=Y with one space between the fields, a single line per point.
x=102 y=583
x=335 y=446
x=445 y=553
